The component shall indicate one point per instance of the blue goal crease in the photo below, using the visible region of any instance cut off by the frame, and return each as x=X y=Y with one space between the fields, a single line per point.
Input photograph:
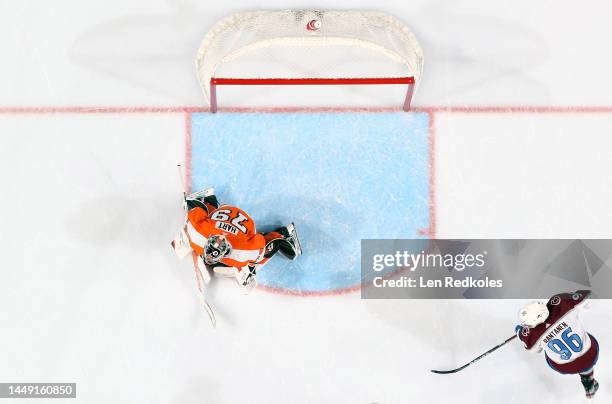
x=341 y=177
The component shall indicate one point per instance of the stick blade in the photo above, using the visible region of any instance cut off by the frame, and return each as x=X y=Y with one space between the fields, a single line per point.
x=211 y=314
x=443 y=372
x=448 y=372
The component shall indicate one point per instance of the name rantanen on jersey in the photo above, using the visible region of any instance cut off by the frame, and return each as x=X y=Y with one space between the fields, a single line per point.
x=558 y=330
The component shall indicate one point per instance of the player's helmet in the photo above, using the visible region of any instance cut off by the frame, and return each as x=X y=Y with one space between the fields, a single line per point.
x=533 y=314
x=217 y=247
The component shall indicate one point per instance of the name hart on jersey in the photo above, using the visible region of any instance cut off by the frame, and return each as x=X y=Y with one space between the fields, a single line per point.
x=227 y=227
x=558 y=330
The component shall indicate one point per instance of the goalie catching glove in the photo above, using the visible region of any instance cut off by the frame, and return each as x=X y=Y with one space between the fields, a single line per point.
x=246 y=278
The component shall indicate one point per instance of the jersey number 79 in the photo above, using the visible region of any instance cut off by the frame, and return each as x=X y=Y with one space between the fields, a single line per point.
x=223 y=215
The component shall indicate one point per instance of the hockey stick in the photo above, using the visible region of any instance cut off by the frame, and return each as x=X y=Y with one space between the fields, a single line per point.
x=209 y=310
x=199 y=276
x=445 y=372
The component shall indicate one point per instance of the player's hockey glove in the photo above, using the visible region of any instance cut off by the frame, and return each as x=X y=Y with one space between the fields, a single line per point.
x=518 y=329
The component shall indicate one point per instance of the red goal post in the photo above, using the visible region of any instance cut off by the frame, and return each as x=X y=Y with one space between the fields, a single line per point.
x=309 y=47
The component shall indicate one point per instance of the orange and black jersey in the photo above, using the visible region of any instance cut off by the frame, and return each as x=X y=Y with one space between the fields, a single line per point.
x=232 y=222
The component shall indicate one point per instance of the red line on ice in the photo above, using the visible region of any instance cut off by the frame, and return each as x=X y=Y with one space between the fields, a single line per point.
x=432 y=175
x=308 y=293
x=196 y=109
x=188 y=129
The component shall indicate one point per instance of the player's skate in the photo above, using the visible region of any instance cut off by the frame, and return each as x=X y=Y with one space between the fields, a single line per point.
x=291 y=248
x=590 y=385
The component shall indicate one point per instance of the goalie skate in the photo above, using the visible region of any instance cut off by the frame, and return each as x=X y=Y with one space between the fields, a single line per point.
x=201 y=198
x=293 y=240
x=200 y=195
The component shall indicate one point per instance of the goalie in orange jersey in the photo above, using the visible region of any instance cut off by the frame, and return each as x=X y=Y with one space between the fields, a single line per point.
x=224 y=239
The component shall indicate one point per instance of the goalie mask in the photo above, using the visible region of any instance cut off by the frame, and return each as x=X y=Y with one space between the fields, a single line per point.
x=217 y=247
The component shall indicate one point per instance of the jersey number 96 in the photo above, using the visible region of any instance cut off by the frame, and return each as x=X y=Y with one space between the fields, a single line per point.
x=569 y=343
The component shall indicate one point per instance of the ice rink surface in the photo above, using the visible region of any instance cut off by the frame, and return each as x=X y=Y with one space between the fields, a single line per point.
x=93 y=123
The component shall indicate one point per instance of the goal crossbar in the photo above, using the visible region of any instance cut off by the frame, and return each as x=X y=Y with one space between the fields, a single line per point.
x=217 y=81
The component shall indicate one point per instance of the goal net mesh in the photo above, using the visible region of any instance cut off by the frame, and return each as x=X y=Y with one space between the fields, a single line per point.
x=308 y=44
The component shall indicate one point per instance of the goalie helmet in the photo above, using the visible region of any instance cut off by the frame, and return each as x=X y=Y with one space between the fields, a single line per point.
x=533 y=314
x=217 y=247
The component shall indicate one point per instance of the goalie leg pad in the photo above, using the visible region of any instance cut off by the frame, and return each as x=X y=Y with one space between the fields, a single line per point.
x=223 y=271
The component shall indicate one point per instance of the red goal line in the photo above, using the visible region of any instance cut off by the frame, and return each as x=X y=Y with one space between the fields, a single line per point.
x=192 y=109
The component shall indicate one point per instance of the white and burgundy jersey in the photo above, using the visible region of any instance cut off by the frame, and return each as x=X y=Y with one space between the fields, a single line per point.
x=562 y=336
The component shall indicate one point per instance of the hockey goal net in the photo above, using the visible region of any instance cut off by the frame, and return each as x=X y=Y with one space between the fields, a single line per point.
x=309 y=48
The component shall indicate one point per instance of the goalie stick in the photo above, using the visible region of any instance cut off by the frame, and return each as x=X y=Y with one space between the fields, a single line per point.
x=446 y=372
x=198 y=274
x=199 y=279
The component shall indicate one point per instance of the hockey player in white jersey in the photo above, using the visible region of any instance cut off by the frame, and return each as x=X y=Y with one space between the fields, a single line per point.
x=554 y=327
